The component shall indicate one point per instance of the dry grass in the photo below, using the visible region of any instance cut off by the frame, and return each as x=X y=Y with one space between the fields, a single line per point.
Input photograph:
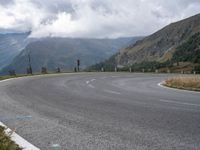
x=5 y=142
x=184 y=82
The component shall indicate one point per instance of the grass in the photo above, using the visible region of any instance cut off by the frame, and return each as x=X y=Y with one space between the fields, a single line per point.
x=4 y=77
x=35 y=74
x=25 y=75
x=190 y=82
x=5 y=141
x=8 y=77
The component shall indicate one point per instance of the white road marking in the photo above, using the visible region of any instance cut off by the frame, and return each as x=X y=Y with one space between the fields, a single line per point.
x=55 y=145
x=112 y=92
x=175 y=89
x=91 y=86
x=114 y=76
x=40 y=75
x=182 y=103
x=15 y=137
x=19 y=140
x=8 y=79
x=16 y=118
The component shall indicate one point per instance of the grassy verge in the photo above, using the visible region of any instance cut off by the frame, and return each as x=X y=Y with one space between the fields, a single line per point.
x=184 y=82
x=25 y=75
x=9 y=77
x=35 y=74
x=5 y=141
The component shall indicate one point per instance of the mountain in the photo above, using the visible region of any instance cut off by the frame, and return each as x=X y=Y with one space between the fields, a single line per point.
x=189 y=51
x=173 y=48
x=10 y=46
x=63 y=53
x=161 y=45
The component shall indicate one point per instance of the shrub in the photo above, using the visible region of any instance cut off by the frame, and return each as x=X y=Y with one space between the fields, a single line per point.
x=5 y=142
x=44 y=70
x=12 y=73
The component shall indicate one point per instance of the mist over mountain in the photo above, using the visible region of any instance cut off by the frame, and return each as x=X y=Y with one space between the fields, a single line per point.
x=63 y=53
x=159 y=47
x=11 y=45
x=92 y=18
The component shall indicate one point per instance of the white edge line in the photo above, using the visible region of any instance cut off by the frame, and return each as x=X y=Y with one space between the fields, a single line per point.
x=112 y=92
x=91 y=86
x=9 y=79
x=175 y=89
x=114 y=76
x=19 y=140
x=39 y=75
x=15 y=137
x=175 y=102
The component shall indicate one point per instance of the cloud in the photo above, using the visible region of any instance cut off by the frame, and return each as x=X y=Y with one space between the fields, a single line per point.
x=92 y=18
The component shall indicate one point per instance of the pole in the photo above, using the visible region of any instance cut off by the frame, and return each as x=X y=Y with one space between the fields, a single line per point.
x=78 y=65
x=130 y=69
x=30 y=67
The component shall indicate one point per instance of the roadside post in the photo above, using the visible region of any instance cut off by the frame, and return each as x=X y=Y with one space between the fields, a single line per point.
x=12 y=72
x=58 y=70
x=115 y=69
x=156 y=71
x=29 y=70
x=78 y=65
x=44 y=70
x=130 y=69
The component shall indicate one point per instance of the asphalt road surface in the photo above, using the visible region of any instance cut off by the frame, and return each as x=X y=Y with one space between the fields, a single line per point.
x=101 y=111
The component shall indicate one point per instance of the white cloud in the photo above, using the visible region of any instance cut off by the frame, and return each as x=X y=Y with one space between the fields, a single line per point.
x=93 y=18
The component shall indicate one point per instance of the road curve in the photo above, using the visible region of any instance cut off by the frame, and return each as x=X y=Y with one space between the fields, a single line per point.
x=101 y=111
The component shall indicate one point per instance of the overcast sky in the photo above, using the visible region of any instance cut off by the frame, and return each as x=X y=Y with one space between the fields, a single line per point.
x=92 y=18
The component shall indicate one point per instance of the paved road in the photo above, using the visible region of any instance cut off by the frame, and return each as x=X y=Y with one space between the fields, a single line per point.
x=101 y=111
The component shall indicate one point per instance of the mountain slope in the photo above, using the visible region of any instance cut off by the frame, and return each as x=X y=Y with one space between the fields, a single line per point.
x=161 y=45
x=63 y=53
x=189 y=51
x=10 y=46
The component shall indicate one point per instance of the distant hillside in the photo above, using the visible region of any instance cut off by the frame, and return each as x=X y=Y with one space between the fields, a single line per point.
x=10 y=46
x=63 y=53
x=189 y=51
x=160 y=45
x=175 y=47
